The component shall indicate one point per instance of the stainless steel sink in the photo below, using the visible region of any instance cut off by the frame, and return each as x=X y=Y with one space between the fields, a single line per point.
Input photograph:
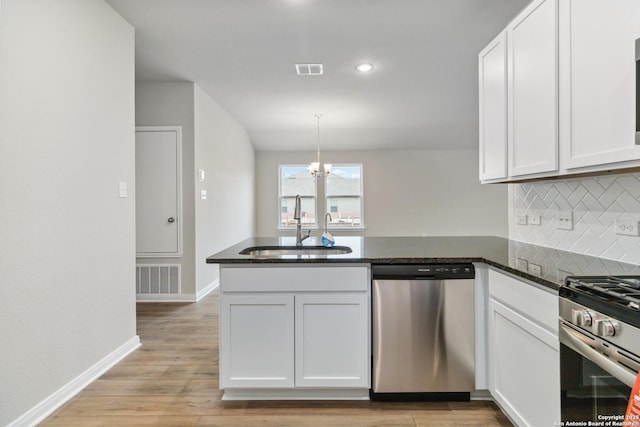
x=276 y=251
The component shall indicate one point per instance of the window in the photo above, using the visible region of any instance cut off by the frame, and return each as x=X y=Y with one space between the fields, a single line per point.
x=343 y=192
x=294 y=180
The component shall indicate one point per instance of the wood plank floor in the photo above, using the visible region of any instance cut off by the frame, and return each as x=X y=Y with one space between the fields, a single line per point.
x=172 y=380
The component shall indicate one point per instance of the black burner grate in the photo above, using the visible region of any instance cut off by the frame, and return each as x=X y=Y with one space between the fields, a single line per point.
x=623 y=290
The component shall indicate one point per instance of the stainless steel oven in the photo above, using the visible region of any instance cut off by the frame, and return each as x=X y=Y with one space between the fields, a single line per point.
x=599 y=335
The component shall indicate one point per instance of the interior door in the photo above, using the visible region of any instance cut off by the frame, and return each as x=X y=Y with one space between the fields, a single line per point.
x=158 y=198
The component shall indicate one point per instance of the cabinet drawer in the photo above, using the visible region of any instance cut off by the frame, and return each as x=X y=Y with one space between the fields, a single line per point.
x=294 y=278
x=535 y=303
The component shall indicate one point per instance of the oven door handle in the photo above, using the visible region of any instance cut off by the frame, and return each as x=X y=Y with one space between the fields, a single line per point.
x=571 y=339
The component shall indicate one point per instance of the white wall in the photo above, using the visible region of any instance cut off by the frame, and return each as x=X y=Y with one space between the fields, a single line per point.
x=67 y=291
x=223 y=150
x=168 y=104
x=406 y=193
x=596 y=203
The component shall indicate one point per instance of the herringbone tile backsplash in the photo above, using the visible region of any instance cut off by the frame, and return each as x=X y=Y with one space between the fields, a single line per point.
x=596 y=203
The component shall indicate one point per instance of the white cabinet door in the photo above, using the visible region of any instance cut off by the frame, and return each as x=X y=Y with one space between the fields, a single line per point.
x=525 y=367
x=492 y=72
x=256 y=341
x=158 y=192
x=598 y=73
x=332 y=340
x=532 y=89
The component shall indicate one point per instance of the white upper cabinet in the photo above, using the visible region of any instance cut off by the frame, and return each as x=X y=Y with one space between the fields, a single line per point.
x=532 y=89
x=492 y=82
x=597 y=77
x=571 y=91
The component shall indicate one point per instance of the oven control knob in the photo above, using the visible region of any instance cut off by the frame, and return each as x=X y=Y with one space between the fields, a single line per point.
x=605 y=327
x=581 y=317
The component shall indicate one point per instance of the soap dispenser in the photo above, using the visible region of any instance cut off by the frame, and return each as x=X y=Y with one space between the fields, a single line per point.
x=327 y=238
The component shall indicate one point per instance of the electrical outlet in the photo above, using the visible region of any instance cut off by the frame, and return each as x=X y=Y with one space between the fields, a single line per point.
x=521 y=219
x=522 y=264
x=534 y=219
x=626 y=227
x=564 y=220
x=535 y=269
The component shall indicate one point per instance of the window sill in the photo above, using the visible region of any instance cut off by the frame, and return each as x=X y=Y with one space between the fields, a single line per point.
x=332 y=229
x=314 y=228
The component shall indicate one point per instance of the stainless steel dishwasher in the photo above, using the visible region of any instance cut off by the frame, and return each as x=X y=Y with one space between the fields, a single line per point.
x=423 y=332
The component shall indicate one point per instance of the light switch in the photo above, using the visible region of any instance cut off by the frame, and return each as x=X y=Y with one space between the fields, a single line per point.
x=200 y=174
x=203 y=194
x=122 y=189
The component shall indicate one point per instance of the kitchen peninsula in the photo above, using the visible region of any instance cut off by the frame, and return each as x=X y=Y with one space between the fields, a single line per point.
x=298 y=326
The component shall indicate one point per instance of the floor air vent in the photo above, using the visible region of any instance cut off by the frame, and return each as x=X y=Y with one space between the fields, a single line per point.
x=163 y=279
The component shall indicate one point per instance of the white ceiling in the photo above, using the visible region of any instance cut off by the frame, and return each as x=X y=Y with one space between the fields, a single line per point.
x=422 y=93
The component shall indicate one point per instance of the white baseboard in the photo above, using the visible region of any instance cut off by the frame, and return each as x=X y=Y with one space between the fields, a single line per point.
x=62 y=395
x=481 y=395
x=165 y=298
x=179 y=297
x=295 y=394
x=206 y=291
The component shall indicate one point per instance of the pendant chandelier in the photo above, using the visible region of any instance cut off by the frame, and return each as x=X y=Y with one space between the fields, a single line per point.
x=314 y=167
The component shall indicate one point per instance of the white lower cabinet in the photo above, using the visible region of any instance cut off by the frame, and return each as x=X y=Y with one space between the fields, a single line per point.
x=257 y=333
x=524 y=359
x=283 y=335
x=331 y=340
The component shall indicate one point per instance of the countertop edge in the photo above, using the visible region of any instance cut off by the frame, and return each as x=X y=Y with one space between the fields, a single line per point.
x=390 y=260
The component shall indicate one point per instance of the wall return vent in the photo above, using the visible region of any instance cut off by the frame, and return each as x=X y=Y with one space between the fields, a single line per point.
x=160 y=279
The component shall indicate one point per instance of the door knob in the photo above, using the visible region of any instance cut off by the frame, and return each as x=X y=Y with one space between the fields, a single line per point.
x=171 y=219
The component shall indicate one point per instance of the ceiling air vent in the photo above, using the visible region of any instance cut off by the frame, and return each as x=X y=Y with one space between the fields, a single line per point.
x=309 y=69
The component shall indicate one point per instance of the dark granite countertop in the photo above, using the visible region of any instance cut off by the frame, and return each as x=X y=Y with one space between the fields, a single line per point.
x=501 y=253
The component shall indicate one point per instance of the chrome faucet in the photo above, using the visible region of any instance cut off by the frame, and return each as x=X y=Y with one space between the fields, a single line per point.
x=297 y=216
x=327 y=218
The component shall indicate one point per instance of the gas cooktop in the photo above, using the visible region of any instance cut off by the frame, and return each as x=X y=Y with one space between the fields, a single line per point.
x=615 y=296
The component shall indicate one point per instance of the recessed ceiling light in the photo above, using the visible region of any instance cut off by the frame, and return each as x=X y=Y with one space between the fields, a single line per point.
x=364 y=68
x=309 y=69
